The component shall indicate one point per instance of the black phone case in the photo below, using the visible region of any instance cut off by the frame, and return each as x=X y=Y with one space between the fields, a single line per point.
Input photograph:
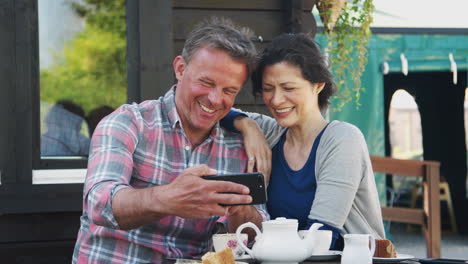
x=254 y=180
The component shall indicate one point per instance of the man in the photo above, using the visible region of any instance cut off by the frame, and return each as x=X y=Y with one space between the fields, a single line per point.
x=144 y=199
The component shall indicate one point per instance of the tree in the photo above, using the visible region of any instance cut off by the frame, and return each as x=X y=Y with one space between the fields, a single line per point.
x=91 y=70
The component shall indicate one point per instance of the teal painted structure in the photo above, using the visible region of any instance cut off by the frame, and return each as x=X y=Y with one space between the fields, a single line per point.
x=423 y=53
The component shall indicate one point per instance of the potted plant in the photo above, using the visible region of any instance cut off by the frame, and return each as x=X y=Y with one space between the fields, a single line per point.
x=347 y=25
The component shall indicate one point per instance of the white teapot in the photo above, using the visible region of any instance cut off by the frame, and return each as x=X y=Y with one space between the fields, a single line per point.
x=280 y=241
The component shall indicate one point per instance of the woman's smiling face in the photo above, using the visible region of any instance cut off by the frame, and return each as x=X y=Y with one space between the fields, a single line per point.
x=290 y=98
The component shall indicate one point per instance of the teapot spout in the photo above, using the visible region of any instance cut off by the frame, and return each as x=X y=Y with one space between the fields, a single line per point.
x=315 y=227
x=310 y=237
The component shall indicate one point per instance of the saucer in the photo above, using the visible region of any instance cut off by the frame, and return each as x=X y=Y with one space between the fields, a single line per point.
x=280 y=262
x=245 y=256
x=332 y=255
x=399 y=258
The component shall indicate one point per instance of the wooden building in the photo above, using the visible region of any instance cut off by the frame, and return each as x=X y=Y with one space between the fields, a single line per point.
x=39 y=222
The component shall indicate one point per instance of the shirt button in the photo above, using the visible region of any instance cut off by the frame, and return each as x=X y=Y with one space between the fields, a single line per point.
x=187 y=148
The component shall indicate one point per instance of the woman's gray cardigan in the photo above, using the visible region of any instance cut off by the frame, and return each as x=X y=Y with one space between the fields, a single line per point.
x=346 y=195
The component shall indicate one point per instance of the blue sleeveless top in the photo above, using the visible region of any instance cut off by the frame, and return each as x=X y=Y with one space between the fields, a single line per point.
x=291 y=192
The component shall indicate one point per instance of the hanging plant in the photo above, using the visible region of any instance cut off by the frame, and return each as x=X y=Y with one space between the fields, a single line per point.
x=347 y=25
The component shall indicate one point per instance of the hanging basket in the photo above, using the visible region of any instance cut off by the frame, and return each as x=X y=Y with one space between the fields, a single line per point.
x=329 y=11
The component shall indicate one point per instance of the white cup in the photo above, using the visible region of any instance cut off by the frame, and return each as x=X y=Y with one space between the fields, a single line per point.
x=222 y=241
x=322 y=241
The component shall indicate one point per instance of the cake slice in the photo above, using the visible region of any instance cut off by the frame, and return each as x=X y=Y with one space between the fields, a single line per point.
x=384 y=248
x=224 y=256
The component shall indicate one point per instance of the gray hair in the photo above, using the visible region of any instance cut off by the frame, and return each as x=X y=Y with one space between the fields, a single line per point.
x=222 y=33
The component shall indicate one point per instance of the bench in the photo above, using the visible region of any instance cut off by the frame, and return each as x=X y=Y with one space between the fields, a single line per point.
x=428 y=216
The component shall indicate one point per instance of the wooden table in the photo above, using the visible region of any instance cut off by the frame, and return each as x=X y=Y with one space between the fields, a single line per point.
x=338 y=262
x=250 y=261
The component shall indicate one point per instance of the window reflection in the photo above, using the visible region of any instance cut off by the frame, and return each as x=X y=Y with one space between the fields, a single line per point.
x=64 y=135
x=82 y=71
x=96 y=115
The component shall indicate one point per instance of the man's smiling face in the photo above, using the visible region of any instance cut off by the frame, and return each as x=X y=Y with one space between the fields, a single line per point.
x=206 y=89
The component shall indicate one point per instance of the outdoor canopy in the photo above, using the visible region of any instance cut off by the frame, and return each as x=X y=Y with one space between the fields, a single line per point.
x=422 y=53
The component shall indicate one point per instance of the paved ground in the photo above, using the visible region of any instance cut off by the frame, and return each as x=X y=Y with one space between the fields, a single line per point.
x=413 y=243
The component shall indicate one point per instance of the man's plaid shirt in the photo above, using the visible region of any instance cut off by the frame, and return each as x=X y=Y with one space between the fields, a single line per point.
x=138 y=146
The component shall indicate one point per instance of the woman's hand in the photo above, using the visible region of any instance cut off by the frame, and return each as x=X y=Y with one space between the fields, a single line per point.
x=256 y=146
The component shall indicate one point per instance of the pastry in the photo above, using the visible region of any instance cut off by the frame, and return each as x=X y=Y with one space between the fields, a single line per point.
x=224 y=256
x=384 y=248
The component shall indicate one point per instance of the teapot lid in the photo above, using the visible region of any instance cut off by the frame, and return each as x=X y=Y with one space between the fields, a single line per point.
x=282 y=221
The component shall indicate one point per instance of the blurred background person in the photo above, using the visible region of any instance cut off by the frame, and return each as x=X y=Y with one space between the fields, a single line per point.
x=96 y=115
x=64 y=135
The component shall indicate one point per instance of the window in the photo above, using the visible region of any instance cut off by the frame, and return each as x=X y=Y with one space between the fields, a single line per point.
x=82 y=61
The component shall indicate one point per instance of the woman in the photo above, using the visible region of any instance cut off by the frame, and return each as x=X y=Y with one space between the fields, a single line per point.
x=321 y=171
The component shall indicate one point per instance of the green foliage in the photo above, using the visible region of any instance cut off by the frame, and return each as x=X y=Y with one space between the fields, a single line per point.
x=347 y=49
x=107 y=15
x=91 y=70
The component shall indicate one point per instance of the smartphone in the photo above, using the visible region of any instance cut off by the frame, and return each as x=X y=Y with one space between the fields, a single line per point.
x=254 y=180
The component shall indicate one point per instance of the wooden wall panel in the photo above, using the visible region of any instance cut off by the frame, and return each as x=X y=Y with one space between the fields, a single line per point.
x=150 y=44
x=267 y=24
x=27 y=86
x=239 y=4
x=267 y=18
x=133 y=51
x=39 y=227
x=44 y=252
x=155 y=48
x=7 y=92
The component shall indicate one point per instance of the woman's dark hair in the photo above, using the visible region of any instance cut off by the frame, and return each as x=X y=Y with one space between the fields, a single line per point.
x=302 y=51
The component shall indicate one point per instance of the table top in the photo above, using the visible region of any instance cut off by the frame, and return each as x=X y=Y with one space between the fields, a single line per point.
x=337 y=261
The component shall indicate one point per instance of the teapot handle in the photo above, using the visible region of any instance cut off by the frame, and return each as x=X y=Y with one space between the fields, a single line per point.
x=239 y=240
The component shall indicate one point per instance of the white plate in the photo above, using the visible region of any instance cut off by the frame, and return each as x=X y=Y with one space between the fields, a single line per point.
x=400 y=257
x=332 y=254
